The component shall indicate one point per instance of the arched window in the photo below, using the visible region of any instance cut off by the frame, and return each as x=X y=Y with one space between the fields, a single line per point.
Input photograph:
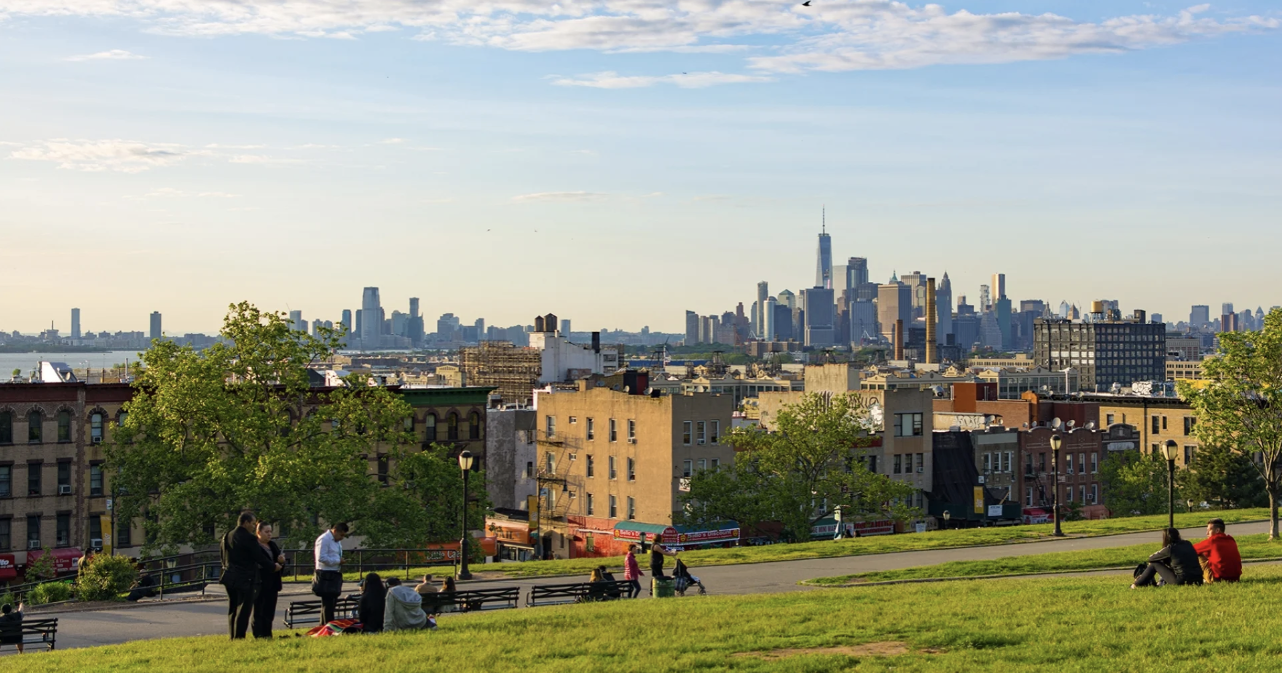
x=33 y=427
x=451 y=425
x=120 y=418
x=6 y=427
x=429 y=428
x=474 y=426
x=64 y=426
x=95 y=427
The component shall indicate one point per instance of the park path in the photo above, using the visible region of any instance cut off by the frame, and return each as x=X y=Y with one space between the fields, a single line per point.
x=190 y=618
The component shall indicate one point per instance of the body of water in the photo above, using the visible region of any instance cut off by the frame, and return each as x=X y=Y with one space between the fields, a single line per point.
x=27 y=361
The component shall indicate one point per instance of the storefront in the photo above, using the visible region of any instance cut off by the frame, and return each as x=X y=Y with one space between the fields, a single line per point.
x=8 y=568
x=678 y=538
x=513 y=540
x=827 y=527
x=66 y=560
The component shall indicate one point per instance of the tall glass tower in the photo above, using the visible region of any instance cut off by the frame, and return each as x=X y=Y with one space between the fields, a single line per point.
x=823 y=270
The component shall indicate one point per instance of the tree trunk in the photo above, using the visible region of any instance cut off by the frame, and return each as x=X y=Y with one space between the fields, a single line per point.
x=1273 y=511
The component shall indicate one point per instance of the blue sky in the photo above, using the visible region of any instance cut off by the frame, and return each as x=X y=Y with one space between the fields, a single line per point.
x=620 y=161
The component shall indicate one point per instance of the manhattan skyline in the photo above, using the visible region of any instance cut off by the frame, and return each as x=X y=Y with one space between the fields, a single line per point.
x=176 y=162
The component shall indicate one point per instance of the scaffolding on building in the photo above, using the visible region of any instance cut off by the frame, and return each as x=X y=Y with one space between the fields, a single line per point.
x=513 y=370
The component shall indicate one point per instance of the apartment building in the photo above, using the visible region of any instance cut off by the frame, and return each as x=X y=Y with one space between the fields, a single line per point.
x=1080 y=455
x=613 y=461
x=1156 y=419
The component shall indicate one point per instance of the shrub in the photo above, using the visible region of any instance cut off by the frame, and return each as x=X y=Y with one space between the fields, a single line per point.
x=104 y=577
x=49 y=592
x=42 y=568
x=7 y=598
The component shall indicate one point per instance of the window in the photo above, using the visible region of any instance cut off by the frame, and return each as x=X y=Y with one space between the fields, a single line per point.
x=687 y=429
x=95 y=428
x=632 y=508
x=429 y=428
x=591 y=429
x=574 y=420
x=1068 y=494
x=95 y=480
x=716 y=462
x=64 y=476
x=898 y=464
x=124 y=534
x=1068 y=464
x=703 y=464
x=716 y=432
x=1188 y=454
x=1081 y=494
x=988 y=463
x=588 y=543
x=613 y=473
x=549 y=426
x=1156 y=424
x=1028 y=463
x=632 y=469
x=614 y=431
x=871 y=464
x=1042 y=467
x=1010 y=460
x=63 y=530
x=908 y=425
x=632 y=430
x=589 y=505
x=64 y=426
x=701 y=432
x=1028 y=496
x=6 y=427
x=549 y=463
x=1189 y=422
x=473 y=425
x=121 y=417
x=1094 y=492
x=95 y=532
x=921 y=462
x=33 y=532
x=409 y=422
x=451 y=427
x=1095 y=463
x=33 y=427
x=686 y=468
x=614 y=507
x=590 y=467
x=1163 y=422
x=6 y=533
x=382 y=469
x=33 y=478
x=529 y=469
x=6 y=482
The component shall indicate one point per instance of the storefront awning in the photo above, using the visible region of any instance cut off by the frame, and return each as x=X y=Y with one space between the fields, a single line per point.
x=65 y=559
x=8 y=567
x=633 y=530
x=683 y=535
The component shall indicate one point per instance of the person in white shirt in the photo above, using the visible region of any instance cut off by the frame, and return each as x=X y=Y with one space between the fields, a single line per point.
x=327 y=581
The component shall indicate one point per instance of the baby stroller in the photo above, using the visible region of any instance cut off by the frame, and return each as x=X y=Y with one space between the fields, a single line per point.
x=683 y=580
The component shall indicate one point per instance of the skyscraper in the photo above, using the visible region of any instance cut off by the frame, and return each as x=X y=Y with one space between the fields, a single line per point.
x=894 y=302
x=692 y=328
x=296 y=321
x=944 y=310
x=856 y=272
x=768 y=317
x=371 y=318
x=823 y=266
x=759 y=317
x=155 y=325
x=75 y=323
x=819 y=316
x=347 y=319
x=916 y=282
x=1200 y=315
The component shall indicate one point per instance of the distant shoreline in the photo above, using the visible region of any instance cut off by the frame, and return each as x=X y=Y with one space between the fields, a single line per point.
x=49 y=348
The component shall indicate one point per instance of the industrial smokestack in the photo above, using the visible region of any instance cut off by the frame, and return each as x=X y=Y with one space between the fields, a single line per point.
x=931 y=344
x=899 y=339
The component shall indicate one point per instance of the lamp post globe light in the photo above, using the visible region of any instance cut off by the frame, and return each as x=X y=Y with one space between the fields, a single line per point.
x=465 y=460
x=947 y=515
x=1056 y=442
x=1170 y=449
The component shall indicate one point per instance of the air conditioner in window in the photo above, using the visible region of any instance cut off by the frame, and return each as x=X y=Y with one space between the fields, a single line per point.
x=95 y=440
x=95 y=543
x=632 y=440
x=920 y=470
x=574 y=456
x=64 y=489
x=33 y=544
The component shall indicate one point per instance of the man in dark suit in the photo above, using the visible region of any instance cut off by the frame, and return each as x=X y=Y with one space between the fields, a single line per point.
x=243 y=560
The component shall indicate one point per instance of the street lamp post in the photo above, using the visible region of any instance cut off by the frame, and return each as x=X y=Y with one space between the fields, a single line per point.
x=1170 y=448
x=465 y=463
x=1056 y=442
x=947 y=515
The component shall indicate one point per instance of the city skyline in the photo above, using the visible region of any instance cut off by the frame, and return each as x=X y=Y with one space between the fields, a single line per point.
x=1123 y=140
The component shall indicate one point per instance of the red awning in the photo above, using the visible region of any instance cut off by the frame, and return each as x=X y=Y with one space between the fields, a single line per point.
x=8 y=567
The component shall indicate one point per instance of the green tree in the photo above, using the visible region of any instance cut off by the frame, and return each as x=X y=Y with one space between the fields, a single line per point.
x=423 y=500
x=814 y=457
x=1223 y=478
x=1134 y=484
x=1239 y=405
x=238 y=425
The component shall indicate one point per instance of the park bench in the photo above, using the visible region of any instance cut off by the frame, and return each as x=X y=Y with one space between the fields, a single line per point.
x=309 y=612
x=579 y=592
x=473 y=600
x=42 y=632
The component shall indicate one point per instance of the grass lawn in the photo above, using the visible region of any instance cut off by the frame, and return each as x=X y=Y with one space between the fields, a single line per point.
x=1087 y=624
x=1250 y=546
x=884 y=544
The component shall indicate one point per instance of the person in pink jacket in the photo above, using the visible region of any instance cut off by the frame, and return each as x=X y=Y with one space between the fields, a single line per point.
x=632 y=573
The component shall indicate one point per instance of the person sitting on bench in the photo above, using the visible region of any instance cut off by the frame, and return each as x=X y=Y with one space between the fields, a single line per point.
x=1176 y=563
x=11 y=626
x=1221 y=561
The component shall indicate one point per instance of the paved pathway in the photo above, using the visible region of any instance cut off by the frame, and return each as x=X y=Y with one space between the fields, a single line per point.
x=86 y=629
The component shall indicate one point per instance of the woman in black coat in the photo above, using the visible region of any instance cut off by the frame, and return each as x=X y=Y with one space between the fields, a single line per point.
x=1176 y=563
x=265 y=603
x=373 y=603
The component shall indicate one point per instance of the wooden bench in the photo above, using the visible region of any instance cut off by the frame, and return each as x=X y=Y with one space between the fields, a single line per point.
x=309 y=612
x=43 y=632
x=580 y=592
x=473 y=600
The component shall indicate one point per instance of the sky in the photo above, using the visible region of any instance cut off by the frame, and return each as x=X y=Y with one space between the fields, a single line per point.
x=618 y=162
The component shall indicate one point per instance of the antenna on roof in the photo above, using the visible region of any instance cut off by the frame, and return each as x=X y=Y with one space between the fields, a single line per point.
x=823 y=215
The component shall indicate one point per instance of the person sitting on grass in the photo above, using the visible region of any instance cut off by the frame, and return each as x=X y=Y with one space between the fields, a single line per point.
x=404 y=609
x=373 y=607
x=1176 y=563
x=1219 y=555
x=11 y=626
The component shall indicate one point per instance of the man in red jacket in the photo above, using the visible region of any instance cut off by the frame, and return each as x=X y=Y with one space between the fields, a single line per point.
x=1219 y=549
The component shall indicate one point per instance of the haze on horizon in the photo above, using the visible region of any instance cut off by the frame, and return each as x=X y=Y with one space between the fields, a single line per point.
x=619 y=161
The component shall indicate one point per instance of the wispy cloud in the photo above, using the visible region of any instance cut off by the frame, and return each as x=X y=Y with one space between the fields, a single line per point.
x=391 y=141
x=560 y=197
x=111 y=55
x=126 y=156
x=827 y=36
x=698 y=80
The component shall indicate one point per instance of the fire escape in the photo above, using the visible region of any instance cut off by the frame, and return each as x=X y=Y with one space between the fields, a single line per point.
x=554 y=461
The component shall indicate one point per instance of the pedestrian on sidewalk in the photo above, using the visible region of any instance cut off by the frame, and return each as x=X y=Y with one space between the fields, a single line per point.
x=632 y=572
x=657 y=552
x=327 y=580
x=271 y=582
x=243 y=559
